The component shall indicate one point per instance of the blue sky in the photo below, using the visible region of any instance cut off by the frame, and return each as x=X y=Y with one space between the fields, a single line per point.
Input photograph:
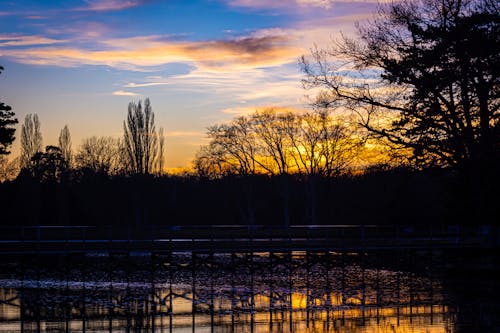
x=200 y=62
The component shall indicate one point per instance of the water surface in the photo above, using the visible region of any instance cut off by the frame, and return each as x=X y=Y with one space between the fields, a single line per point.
x=235 y=292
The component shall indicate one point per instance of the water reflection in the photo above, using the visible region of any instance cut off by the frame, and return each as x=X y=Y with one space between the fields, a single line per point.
x=206 y=292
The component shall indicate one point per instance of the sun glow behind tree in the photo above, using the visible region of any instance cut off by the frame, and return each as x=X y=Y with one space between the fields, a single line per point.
x=275 y=141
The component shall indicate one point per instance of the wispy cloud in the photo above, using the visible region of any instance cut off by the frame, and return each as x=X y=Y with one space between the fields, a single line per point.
x=245 y=85
x=266 y=4
x=23 y=40
x=80 y=31
x=36 y=17
x=109 y=5
x=89 y=6
x=148 y=84
x=240 y=110
x=184 y=134
x=247 y=110
x=124 y=93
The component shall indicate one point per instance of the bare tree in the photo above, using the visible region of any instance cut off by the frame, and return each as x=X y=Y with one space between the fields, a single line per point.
x=235 y=145
x=65 y=145
x=271 y=127
x=31 y=140
x=140 y=138
x=304 y=137
x=8 y=169
x=210 y=162
x=340 y=146
x=431 y=67
x=99 y=154
x=161 y=151
x=276 y=143
x=322 y=144
x=124 y=164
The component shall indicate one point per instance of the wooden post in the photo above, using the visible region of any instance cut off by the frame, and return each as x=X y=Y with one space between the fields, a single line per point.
x=193 y=289
x=271 y=291
x=290 y=288
x=252 y=294
x=233 y=290
x=170 y=291
x=212 y=291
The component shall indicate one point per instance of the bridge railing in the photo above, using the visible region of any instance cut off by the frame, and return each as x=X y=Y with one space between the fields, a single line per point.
x=484 y=233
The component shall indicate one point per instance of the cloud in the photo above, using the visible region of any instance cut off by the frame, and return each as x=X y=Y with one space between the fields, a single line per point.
x=240 y=110
x=231 y=90
x=244 y=85
x=36 y=17
x=248 y=110
x=184 y=134
x=109 y=5
x=23 y=40
x=290 y=88
x=266 y=4
x=124 y=93
x=128 y=53
x=262 y=48
x=81 y=31
x=148 y=84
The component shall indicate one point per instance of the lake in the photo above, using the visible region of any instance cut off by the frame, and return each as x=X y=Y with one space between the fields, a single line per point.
x=261 y=292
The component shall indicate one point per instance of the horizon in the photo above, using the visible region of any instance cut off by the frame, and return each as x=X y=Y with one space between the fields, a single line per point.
x=80 y=63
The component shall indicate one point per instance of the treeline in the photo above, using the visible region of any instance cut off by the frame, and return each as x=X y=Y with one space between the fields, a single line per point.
x=277 y=142
x=139 y=151
x=383 y=197
x=268 y=142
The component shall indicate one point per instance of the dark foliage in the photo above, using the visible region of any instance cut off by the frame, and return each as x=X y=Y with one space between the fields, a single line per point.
x=49 y=166
x=439 y=68
x=7 y=120
x=386 y=197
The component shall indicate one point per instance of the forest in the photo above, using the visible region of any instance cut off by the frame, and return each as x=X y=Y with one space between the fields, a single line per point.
x=410 y=136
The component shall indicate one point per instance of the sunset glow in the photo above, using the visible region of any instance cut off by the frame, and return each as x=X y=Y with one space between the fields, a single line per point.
x=201 y=62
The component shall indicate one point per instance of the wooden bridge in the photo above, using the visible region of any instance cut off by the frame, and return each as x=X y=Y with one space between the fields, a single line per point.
x=226 y=238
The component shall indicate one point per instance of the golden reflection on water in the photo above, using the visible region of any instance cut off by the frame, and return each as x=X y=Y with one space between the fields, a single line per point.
x=300 y=318
x=239 y=293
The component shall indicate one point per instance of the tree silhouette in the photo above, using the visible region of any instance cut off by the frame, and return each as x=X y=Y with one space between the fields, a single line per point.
x=322 y=144
x=232 y=148
x=7 y=120
x=31 y=140
x=65 y=145
x=271 y=126
x=432 y=68
x=49 y=166
x=161 y=151
x=140 y=138
x=99 y=155
x=8 y=169
x=279 y=142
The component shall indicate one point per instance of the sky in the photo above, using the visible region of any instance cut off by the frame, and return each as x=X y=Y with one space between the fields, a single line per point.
x=80 y=62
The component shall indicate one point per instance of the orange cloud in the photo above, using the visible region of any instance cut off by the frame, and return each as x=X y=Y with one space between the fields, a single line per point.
x=124 y=93
x=249 y=52
x=240 y=110
x=22 y=40
x=148 y=84
x=248 y=110
x=184 y=134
